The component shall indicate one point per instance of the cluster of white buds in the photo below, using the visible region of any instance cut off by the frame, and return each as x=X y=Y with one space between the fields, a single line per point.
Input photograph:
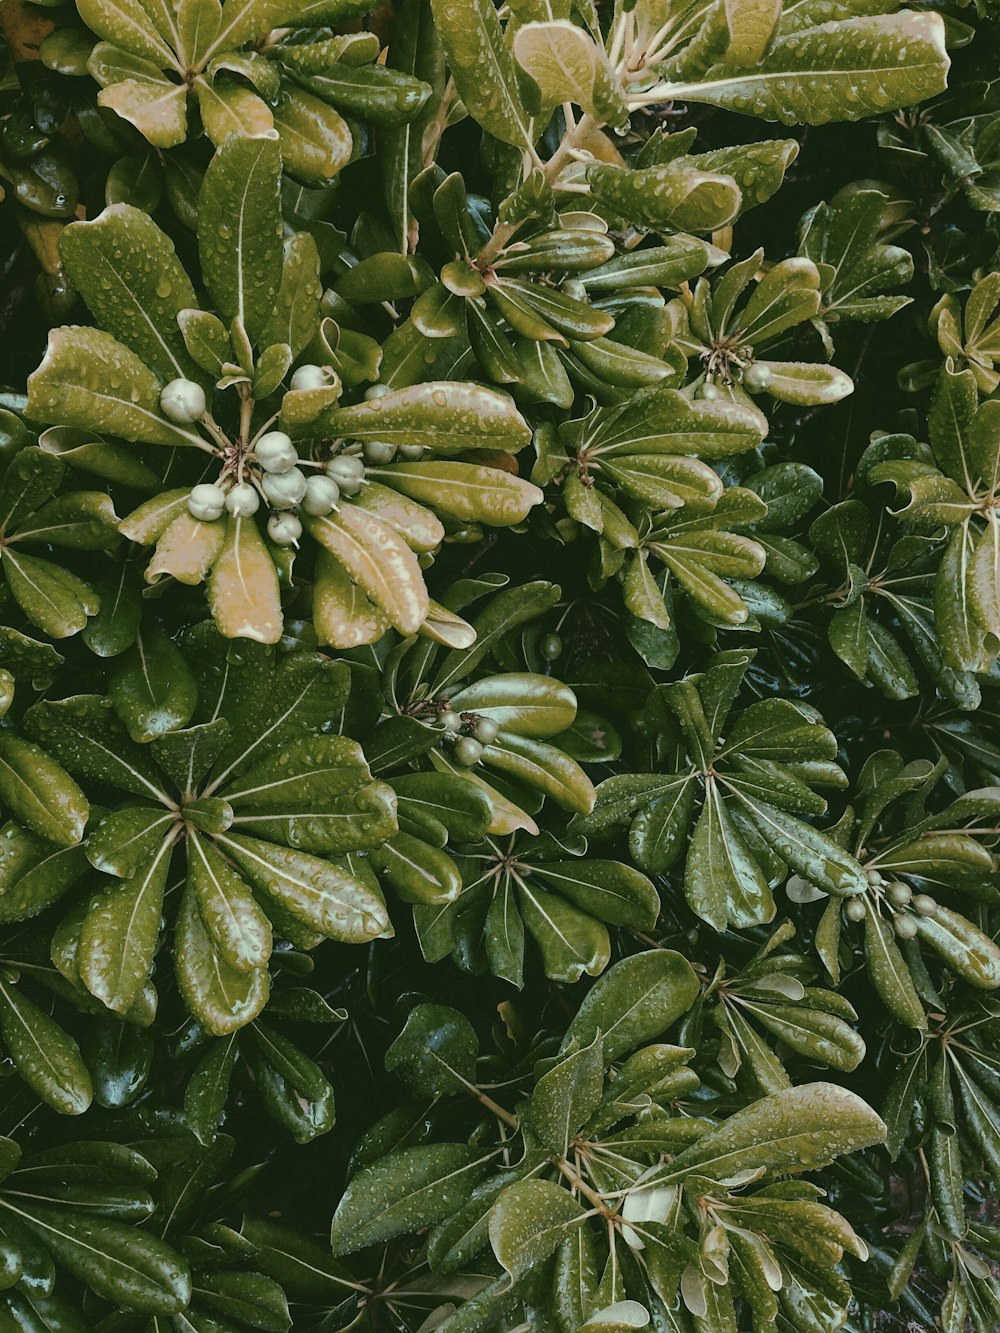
x=274 y=468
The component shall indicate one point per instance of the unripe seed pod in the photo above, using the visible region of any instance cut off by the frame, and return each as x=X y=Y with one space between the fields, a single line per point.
x=379 y=451
x=468 y=751
x=243 y=500
x=376 y=391
x=924 y=904
x=284 y=529
x=311 y=377
x=206 y=501
x=486 y=730
x=898 y=893
x=284 y=489
x=709 y=391
x=550 y=646
x=410 y=453
x=905 y=927
x=275 y=452
x=183 y=401
x=449 y=722
x=757 y=378
x=873 y=877
x=855 y=909
x=348 y=471
x=574 y=288
x=322 y=494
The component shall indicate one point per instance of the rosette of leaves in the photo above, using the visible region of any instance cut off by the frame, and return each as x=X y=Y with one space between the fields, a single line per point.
x=843 y=238
x=920 y=868
x=280 y=70
x=941 y=1105
x=968 y=336
x=545 y=888
x=554 y=306
x=729 y=796
x=268 y=1059
x=68 y=1215
x=158 y=354
x=34 y=515
x=726 y=330
x=767 y=1010
x=778 y=67
x=963 y=1266
x=613 y=1205
x=197 y=1190
x=252 y=808
x=509 y=733
x=882 y=621
x=952 y=486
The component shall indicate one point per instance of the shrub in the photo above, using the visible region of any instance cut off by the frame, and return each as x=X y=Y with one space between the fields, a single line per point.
x=498 y=630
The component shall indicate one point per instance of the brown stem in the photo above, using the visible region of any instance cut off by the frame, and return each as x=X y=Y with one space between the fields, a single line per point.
x=505 y=232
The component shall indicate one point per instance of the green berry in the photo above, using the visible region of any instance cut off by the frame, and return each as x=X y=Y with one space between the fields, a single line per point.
x=855 y=909
x=898 y=893
x=486 y=730
x=550 y=646
x=468 y=751
x=449 y=722
x=905 y=927
x=757 y=378
x=379 y=451
x=924 y=904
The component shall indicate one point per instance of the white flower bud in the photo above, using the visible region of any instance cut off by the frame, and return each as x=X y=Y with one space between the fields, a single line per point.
x=206 y=501
x=183 y=401
x=275 y=452
x=284 y=529
x=243 y=500
x=284 y=490
x=311 y=377
x=322 y=494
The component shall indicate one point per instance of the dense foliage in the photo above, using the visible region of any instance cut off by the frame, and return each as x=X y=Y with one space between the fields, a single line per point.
x=499 y=631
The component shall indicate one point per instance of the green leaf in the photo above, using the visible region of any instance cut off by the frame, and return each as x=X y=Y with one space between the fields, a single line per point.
x=567 y=1094
x=529 y=1221
x=90 y=380
x=435 y=1054
x=403 y=1192
x=635 y=1002
x=220 y=997
x=239 y=231
x=318 y=893
x=126 y=270
x=128 y=1267
x=153 y=690
x=799 y=1129
x=40 y=793
x=483 y=69
x=857 y=67
x=567 y=65
x=47 y=1058
x=448 y=417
